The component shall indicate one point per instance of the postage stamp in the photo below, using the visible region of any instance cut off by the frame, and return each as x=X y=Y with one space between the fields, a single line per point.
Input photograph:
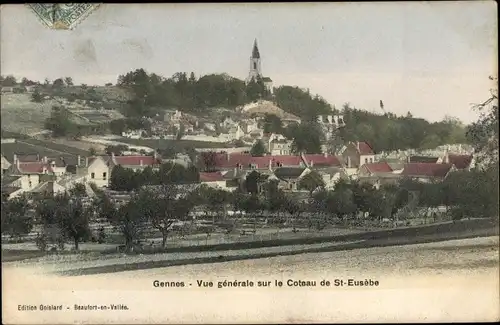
x=62 y=15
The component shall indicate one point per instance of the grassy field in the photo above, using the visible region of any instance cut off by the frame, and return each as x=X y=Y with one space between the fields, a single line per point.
x=179 y=144
x=25 y=145
x=20 y=114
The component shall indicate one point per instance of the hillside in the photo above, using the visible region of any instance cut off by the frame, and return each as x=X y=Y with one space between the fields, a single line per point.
x=20 y=114
x=262 y=107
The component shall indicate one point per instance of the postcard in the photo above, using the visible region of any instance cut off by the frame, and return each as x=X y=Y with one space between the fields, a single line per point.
x=249 y=163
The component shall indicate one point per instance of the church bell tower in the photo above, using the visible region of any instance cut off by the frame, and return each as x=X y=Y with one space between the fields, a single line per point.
x=255 y=65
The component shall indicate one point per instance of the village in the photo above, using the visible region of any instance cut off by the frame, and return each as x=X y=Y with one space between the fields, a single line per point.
x=252 y=171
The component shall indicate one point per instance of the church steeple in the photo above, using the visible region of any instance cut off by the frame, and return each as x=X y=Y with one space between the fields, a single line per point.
x=255 y=51
x=255 y=65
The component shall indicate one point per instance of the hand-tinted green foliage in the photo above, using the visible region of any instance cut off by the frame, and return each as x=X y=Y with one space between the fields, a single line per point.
x=258 y=149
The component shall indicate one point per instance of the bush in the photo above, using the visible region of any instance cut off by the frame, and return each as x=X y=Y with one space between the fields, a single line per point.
x=41 y=242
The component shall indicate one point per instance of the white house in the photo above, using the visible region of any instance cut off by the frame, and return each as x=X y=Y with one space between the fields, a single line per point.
x=280 y=147
x=96 y=171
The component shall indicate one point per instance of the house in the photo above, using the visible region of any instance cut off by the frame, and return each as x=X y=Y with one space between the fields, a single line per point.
x=463 y=162
x=133 y=134
x=226 y=161
x=32 y=88
x=228 y=123
x=374 y=169
x=95 y=170
x=332 y=175
x=426 y=172
x=7 y=90
x=214 y=180
x=5 y=165
x=355 y=154
x=330 y=123
x=281 y=147
x=318 y=161
x=236 y=133
x=289 y=177
x=134 y=162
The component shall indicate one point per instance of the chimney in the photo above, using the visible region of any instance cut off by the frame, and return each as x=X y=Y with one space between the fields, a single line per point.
x=14 y=160
x=311 y=164
x=227 y=156
x=17 y=162
x=348 y=162
x=325 y=154
x=37 y=157
x=270 y=164
x=86 y=161
x=141 y=163
x=357 y=145
x=78 y=160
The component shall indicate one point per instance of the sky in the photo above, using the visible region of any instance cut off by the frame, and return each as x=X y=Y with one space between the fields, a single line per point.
x=429 y=58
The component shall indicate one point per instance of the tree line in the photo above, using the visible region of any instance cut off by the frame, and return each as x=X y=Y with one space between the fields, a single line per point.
x=466 y=194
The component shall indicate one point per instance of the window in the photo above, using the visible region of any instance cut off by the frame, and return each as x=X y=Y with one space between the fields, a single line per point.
x=30 y=184
x=104 y=175
x=92 y=175
x=371 y=160
x=255 y=65
x=366 y=160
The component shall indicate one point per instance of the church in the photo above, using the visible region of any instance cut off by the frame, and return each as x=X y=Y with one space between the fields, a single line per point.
x=256 y=68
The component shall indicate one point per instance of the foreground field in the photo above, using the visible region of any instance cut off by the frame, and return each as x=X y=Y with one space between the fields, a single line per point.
x=446 y=281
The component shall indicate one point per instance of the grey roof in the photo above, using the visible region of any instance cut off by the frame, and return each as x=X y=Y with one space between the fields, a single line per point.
x=423 y=159
x=289 y=172
x=9 y=179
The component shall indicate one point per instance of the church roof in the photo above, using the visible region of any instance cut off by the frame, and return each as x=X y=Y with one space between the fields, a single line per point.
x=255 y=51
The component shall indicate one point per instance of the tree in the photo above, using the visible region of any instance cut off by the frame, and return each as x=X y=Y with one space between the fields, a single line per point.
x=272 y=124
x=311 y=182
x=307 y=138
x=36 y=97
x=68 y=81
x=68 y=215
x=258 y=149
x=180 y=132
x=58 y=83
x=208 y=161
x=123 y=179
x=59 y=122
x=15 y=219
x=9 y=81
x=162 y=207
x=130 y=220
x=92 y=151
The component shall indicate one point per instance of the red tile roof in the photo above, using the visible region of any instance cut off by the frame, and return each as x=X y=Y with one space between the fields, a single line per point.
x=211 y=177
x=321 y=160
x=380 y=167
x=34 y=167
x=364 y=148
x=224 y=160
x=426 y=170
x=460 y=161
